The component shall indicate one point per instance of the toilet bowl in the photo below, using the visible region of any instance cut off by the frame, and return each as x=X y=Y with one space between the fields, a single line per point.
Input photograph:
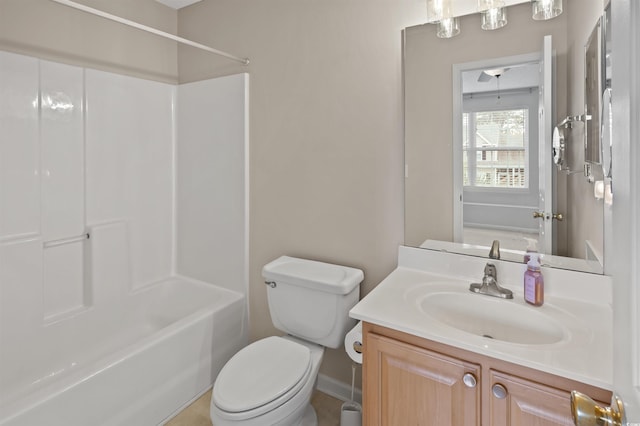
x=270 y=382
x=276 y=391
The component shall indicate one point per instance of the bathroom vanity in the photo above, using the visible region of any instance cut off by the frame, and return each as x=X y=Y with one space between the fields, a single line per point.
x=410 y=380
x=437 y=354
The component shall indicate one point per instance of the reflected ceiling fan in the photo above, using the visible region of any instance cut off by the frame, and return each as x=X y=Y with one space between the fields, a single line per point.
x=487 y=75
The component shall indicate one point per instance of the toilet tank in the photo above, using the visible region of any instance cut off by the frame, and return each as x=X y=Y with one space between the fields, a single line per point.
x=311 y=300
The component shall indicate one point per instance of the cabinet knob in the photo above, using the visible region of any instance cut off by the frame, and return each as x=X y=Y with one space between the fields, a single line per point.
x=469 y=380
x=586 y=412
x=499 y=391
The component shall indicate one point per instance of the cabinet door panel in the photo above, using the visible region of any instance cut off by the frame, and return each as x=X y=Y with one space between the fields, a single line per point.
x=528 y=403
x=408 y=385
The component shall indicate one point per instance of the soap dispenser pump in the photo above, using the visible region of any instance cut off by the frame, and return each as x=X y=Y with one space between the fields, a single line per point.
x=532 y=248
x=534 y=282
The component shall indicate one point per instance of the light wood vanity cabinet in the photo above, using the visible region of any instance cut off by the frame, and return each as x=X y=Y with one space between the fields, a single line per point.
x=408 y=380
x=411 y=385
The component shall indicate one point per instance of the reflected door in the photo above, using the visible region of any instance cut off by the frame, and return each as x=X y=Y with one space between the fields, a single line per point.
x=545 y=214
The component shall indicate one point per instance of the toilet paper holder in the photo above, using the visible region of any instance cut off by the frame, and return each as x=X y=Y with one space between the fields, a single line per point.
x=357 y=346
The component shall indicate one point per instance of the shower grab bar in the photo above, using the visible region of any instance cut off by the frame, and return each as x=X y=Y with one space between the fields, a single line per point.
x=97 y=12
x=63 y=241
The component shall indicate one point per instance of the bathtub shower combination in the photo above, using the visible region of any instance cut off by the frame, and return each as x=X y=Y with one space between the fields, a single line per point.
x=123 y=230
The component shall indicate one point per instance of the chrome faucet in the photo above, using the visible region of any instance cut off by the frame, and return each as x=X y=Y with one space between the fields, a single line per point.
x=494 y=253
x=490 y=285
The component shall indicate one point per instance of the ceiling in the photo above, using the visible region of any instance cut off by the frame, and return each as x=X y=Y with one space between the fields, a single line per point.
x=177 y=4
x=515 y=77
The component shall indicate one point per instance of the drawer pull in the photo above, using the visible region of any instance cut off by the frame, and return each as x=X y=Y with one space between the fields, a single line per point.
x=469 y=380
x=499 y=391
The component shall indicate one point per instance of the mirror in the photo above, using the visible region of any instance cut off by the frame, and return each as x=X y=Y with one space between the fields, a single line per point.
x=593 y=92
x=429 y=75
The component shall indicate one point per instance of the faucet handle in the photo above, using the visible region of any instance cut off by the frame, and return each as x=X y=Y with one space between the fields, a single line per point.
x=490 y=270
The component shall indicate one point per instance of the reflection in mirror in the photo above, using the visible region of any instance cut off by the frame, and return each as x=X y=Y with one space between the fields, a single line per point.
x=593 y=92
x=500 y=162
x=498 y=152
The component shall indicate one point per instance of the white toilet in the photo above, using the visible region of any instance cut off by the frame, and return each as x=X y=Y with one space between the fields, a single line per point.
x=270 y=382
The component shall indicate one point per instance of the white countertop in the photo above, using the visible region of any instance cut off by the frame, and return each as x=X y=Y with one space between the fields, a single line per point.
x=584 y=353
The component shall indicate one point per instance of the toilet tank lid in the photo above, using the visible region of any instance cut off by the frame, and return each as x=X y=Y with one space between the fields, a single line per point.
x=320 y=276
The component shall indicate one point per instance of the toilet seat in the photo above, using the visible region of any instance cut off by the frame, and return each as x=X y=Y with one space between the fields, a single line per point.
x=261 y=377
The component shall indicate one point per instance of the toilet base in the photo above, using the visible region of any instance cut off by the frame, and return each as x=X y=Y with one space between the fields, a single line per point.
x=309 y=418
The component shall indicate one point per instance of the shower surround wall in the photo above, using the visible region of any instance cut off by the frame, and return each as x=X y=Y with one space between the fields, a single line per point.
x=122 y=160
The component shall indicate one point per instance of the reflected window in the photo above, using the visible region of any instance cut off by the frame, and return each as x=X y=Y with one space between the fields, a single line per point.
x=494 y=147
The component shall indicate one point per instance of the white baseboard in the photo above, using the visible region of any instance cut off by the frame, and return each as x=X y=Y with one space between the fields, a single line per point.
x=337 y=389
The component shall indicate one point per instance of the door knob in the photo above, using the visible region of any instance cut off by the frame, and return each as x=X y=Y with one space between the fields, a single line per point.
x=537 y=215
x=558 y=216
x=586 y=412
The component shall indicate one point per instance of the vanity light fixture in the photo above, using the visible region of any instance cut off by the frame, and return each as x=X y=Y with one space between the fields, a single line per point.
x=546 y=9
x=494 y=18
x=489 y=4
x=448 y=27
x=439 y=12
x=493 y=14
x=438 y=9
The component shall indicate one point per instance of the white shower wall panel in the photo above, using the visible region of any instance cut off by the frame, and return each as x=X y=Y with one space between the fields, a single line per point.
x=212 y=181
x=63 y=280
x=110 y=262
x=62 y=142
x=19 y=147
x=130 y=169
x=20 y=295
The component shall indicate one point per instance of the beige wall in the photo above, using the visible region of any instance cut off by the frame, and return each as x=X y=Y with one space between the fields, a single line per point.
x=586 y=211
x=52 y=31
x=429 y=104
x=325 y=129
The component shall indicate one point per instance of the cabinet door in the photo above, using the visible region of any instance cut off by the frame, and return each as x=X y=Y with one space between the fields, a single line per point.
x=408 y=385
x=515 y=401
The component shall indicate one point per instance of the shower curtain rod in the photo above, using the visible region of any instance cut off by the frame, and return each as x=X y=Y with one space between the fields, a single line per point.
x=244 y=61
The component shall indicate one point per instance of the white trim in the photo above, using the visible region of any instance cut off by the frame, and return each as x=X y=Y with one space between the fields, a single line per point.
x=505 y=206
x=626 y=204
x=529 y=231
x=337 y=389
x=247 y=197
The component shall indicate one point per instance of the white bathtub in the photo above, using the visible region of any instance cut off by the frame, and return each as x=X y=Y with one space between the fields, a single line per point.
x=135 y=363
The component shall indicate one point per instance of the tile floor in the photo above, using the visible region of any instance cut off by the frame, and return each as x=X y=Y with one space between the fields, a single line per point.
x=197 y=414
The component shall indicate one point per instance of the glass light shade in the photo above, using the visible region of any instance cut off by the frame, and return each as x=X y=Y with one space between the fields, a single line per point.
x=546 y=9
x=492 y=19
x=438 y=10
x=489 y=4
x=448 y=27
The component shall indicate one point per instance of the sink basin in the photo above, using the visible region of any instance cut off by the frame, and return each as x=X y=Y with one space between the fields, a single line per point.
x=504 y=320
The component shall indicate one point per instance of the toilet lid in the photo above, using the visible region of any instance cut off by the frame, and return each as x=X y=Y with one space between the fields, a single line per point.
x=260 y=373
